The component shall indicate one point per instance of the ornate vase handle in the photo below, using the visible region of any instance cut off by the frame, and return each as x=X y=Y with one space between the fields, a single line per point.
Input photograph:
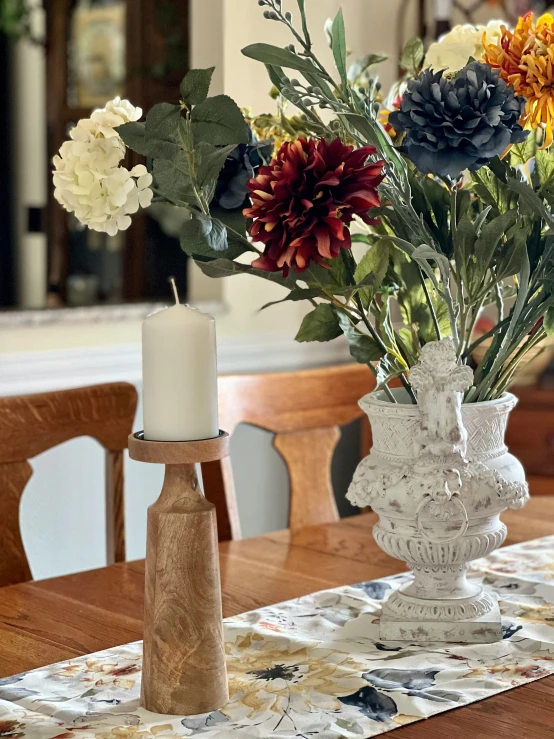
x=429 y=501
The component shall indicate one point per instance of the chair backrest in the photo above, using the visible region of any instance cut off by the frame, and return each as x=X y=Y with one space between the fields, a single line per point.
x=31 y=424
x=304 y=410
x=530 y=436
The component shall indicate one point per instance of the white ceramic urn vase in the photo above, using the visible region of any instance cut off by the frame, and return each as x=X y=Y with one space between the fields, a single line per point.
x=439 y=475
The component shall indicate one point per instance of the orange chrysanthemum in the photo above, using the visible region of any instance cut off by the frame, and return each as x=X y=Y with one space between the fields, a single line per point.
x=525 y=58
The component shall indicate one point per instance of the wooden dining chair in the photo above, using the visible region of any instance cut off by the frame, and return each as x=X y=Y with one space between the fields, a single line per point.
x=31 y=424
x=530 y=436
x=304 y=410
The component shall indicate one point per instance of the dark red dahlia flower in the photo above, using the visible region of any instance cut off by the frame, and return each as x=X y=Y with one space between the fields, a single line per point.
x=303 y=201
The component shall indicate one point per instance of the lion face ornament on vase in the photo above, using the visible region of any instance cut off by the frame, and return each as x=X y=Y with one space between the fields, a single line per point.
x=439 y=475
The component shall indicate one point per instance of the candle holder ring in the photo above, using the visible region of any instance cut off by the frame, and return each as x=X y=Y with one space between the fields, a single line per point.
x=183 y=669
x=178 y=452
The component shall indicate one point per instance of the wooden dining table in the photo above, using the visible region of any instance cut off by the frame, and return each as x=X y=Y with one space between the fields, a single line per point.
x=52 y=620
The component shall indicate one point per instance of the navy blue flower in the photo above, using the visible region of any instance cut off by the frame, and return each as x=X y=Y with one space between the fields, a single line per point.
x=458 y=123
x=276 y=672
x=240 y=166
x=384 y=648
x=508 y=630
x=375 y=589
x=391 y=679
x=416 y=683
x=372 y=704
x=204 y=722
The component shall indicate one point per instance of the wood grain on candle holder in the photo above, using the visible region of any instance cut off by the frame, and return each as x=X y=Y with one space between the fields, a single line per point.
x=178 y=452
x=184 y=658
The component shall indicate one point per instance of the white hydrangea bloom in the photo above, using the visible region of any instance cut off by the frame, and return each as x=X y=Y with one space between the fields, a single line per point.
x=88 y=178
x=454 y=50
x=116 y=113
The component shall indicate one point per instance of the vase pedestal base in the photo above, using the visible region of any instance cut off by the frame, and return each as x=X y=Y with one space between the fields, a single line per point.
x=485 y=629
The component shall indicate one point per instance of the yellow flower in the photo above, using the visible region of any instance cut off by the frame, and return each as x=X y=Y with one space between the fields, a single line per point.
x=161 y=731
x=536 y=614
x=102 y=673
x=264 y=675
x=525 y=58
x=513 y=672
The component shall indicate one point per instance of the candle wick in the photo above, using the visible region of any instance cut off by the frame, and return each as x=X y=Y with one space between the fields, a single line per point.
x=174 y=286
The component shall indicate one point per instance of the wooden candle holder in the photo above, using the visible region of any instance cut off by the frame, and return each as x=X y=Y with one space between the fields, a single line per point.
x=183 y=670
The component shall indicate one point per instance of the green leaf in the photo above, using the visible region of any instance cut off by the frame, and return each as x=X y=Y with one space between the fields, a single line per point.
x=302 y=9
x=424 y=254
x=530 y=198
x=491 y=235
x=377 y=136
x=321 y=324
x=162 y=122
x=481 y=219
x=362 y=239
x=427 y=330
x=337 y=278
x=492 y=191
x=231 y=218
x=196 y=85
x=544 y=161
x=203 y=232
x=134 y=136
x=413 y=303
x=228 y=268
x=218 y=121
x=502 y=169
x=173 y=179
x=521 y=153
x=359 y=66
x=412 y=56
x=374 y=265
x=296 y=294
x=209 y=163
x=548 y=322
x=277 y=57
x=276 y=75
x=387 y=369
x=513 y=254
x=363 y=348
x=405 y=340
x=463 y=204
x=464 y=247
x=338 y=45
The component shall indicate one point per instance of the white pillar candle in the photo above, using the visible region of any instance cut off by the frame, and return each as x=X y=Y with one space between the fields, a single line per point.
x=179 y=370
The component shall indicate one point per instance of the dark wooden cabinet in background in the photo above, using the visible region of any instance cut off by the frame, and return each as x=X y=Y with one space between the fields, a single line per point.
x=156 y=42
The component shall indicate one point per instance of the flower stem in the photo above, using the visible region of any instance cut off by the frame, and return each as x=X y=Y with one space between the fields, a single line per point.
x=346 y=258
x=508 y=371
x=469 y=351
x=430 y=304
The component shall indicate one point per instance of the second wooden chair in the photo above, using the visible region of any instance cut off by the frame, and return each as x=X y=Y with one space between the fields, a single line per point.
x=304 y=410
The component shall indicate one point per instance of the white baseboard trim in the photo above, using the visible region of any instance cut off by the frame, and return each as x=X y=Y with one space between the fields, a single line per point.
x=43 y=371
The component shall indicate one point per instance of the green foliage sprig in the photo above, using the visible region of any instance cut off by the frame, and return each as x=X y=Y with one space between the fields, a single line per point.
x=444 y=250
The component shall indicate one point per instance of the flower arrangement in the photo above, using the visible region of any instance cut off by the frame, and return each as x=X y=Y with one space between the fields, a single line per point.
x=447 y=195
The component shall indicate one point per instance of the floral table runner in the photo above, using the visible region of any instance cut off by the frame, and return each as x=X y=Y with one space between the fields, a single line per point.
x=310 y=667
